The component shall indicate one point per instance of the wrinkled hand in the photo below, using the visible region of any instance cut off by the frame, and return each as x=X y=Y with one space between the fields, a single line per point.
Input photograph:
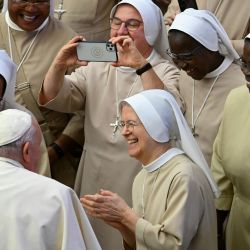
x=106 y=205
x=128 y=54
x=67 y=55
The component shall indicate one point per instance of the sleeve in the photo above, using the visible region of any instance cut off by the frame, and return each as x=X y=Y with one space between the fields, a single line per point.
x=170 y=78
x=71 y=97
x=173 y=8
x=180 y=220
x=225 y=186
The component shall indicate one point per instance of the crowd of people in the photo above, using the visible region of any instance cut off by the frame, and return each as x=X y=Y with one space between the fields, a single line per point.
x=146 y=152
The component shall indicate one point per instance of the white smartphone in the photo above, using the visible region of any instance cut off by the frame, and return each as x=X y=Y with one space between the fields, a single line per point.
x=97 y=51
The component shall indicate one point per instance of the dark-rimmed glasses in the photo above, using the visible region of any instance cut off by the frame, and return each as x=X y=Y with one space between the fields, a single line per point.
x=244 y=65
x=128 y=125
x=39 y=3
x=184 y=56
x=130 y=24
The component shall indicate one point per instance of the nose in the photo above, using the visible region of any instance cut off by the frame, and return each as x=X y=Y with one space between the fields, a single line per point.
x=125 y=131
x=123 y=30
x=181 y=64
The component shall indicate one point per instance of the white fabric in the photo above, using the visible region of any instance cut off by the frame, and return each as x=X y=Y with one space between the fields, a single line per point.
x=164 y=158
x=154 y=26
x=14 y=124
x=5 y=6
x=160 y=124
x=248 y=36
x=39 y=213
x=204 y=27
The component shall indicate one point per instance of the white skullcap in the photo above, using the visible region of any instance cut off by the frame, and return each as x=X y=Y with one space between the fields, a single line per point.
x=14 y=124
x=154 y=26
x=162 y=118
x=6 y=2
x=205 y=28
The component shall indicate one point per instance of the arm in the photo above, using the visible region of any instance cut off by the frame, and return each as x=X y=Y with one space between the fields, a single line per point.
x=54 y=78
x=114 y=211
x=173 y=10
x=128 y=55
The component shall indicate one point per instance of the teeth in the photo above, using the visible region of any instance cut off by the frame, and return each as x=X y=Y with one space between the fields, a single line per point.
x=29 y=18
x=132 y=141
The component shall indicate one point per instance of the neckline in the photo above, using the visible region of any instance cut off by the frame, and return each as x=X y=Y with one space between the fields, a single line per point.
x=164 y=158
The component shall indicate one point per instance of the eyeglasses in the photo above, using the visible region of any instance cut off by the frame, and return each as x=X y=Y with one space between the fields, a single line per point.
x=128 y=125
x=244 y=65
x=184 y=56
x=131 y=24
x=38 y=3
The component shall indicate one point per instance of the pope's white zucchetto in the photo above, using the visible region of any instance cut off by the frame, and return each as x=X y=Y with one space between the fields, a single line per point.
x=14 y=124
x=205 y=28
x=163 y=120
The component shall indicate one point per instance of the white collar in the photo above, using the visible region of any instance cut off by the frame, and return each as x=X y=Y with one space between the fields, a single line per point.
x=14 y=26
x=224 y=65
x=164 y=158
x=11 y=162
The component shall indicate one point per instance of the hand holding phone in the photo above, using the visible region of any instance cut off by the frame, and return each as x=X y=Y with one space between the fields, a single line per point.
x=96 y=51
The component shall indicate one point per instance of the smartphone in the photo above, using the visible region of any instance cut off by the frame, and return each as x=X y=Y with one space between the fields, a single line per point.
x=185 y=4
x=93 y=51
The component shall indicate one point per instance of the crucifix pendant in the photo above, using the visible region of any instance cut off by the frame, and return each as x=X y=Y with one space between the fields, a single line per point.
x=193 y=132
x=115 y=125
x=60 y=10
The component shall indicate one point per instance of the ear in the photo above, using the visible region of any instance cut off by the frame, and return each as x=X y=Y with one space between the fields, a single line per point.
x=26 y=152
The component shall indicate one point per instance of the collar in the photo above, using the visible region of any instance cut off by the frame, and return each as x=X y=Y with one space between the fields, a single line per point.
x=14 y=26
x=224 y=65
x=11 y=162
x=164 y=158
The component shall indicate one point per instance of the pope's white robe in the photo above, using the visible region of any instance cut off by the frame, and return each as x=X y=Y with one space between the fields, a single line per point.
x=38 y=213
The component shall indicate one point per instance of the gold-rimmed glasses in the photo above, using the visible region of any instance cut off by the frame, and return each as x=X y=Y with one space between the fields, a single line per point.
x=130 y=24
x=130 y=125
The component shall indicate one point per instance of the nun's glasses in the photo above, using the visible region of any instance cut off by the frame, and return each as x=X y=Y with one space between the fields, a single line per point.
x=38 y=3
x=184 y=56
x=244 y=65
x=128 y=125
x=130 y=24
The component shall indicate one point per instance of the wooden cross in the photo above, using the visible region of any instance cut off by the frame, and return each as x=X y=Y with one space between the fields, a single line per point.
x=193 y=132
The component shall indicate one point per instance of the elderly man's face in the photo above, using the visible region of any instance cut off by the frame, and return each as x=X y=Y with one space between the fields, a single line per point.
x=127 y=12
x=29 y=16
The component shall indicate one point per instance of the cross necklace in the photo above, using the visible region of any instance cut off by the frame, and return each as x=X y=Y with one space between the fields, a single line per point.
x=60 y=10
x=115 y=124
x=194 y=120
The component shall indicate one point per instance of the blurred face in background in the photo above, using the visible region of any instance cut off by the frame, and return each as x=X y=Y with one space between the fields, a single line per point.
x=29 y=15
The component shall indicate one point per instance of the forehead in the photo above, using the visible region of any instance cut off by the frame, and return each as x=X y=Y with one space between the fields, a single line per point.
x=180 y=39
x=127 y=11
x=128 y=113
x=2 y=86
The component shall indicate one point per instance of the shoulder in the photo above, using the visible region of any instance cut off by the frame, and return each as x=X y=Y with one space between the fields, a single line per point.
x=60 y=28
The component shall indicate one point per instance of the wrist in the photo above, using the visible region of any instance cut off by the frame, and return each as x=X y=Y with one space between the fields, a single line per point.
x=57 y=149
x=145 y=67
